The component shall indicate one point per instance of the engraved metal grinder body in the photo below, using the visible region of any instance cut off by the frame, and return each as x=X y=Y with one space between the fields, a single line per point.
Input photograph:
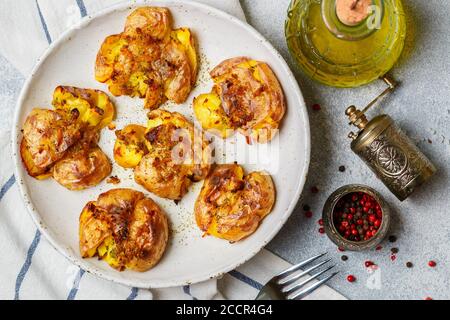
x=388 y=152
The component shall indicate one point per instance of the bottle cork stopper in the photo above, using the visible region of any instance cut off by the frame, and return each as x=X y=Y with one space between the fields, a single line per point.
x=352 y=12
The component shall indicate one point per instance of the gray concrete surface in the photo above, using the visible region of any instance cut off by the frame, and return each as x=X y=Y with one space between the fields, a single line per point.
x=421 y=107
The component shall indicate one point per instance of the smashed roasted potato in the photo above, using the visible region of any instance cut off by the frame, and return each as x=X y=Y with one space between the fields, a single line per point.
x=91 y=107
x=130 y=146
x=167 y=157
x=209 y=112
x=40 y=173
x=149 y=59
x=47 y=136
x=63 y=142
x=177 y=155
x=84 y=166
x=125 y=229
x=246 y=96
x=152 y=21
x=231 y=205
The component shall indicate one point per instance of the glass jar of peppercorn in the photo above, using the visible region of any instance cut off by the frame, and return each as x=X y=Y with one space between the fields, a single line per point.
x=356 y=218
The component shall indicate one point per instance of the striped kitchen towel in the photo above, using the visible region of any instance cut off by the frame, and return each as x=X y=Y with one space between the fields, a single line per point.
x=31 y=268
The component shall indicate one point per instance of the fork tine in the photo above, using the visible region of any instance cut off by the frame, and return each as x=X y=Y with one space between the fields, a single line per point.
x=298 y=266
x=301 y=284
x=287 y=281
x=313 y=287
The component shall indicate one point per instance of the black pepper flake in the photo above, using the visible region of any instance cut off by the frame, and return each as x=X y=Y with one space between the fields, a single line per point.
x=306 y=208
x=314 y=189
x=344 y=258
x=342 y=168
x=394 y=250
x=409 y=265
x=392 y=238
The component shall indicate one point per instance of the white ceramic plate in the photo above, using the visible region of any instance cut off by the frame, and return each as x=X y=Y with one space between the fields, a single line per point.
x=189 y=257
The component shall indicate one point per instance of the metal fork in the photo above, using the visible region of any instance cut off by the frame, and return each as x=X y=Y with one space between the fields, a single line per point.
x=283 y=286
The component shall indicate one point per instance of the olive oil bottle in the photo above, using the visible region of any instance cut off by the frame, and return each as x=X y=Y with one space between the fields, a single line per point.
x=345 y=43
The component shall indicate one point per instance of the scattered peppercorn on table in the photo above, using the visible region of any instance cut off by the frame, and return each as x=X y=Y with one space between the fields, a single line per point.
x=412 y=262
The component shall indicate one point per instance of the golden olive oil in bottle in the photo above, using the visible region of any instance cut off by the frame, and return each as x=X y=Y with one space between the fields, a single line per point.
x=345 y=43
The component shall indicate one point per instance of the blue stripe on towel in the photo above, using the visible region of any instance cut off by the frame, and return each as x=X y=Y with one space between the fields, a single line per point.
x=27 y=264
x=7 y=186
x=37 y=236
x=133 y=293
x=82 y=8
x=44 y=24
x=76 y=285
x=247 y=280
x=187 y=290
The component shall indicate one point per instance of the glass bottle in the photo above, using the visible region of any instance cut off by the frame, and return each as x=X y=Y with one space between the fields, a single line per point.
x=345 y=54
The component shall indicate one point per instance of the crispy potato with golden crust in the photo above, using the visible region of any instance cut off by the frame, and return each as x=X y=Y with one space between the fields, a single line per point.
x=184 y=38
x=231 y=205
x=40 y=173
x=107 y=57
x=84 y=166
x=93 y=107
x=177 y=155
x=63 y=142
x=209 y=112
x=149 y=60
x=175 y=68
x=246 y=96
x=47 y=135
x=124 y=64
x=163 y=178
x=125 y=229
x=130 y=146
x=153 y=22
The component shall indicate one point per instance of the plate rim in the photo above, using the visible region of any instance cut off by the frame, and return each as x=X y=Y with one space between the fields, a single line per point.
x=20 y=172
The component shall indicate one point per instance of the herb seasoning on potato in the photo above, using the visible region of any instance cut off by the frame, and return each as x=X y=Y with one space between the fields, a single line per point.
x=62 y=143
x=149 y=59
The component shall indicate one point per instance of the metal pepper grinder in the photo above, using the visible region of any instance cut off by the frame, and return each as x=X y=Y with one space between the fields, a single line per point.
x=387 y=150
